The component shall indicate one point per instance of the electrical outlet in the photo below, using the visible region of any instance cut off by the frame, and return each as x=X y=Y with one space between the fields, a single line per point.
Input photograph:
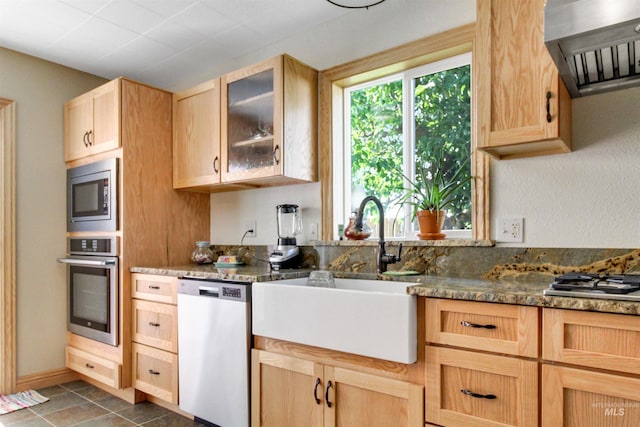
x=510 y=230
x=313 y=231
x=250 y=225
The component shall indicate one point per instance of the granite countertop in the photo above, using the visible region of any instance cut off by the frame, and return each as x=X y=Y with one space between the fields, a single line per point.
x=469 y=289
x=512 y=292
x=243 y=273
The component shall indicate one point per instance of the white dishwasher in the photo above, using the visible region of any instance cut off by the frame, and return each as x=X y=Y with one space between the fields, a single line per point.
x=214 y=341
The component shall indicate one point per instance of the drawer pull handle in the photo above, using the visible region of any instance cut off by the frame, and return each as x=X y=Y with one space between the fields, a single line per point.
x=276 y=154
x=87 y=365
x=478 y=395
x=326 y=394
x=154 y=287
x=476 y=325
x=315 y=391
x=154 y=324
x=152 y=372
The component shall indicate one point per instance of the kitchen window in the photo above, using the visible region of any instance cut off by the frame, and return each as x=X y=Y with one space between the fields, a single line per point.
x=399 y=60
x=393 y=126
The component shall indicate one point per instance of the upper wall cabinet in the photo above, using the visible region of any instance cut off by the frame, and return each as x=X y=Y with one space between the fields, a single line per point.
x=92 y=122
x=269 y=123
x=523 y=106
x=196 y=136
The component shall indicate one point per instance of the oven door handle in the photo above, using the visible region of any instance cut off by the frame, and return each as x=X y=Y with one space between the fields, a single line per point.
x=96 y=262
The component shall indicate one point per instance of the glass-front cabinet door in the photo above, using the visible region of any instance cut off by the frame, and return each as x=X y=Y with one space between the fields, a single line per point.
x=252 y=122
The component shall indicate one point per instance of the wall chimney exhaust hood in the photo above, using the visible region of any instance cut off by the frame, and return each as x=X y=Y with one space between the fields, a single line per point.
x=594 y=43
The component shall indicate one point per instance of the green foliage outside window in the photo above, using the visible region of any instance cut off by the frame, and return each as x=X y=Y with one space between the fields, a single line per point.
x=442 y=122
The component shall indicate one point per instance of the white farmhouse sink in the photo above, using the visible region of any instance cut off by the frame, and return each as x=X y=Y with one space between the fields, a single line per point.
x=367 y=317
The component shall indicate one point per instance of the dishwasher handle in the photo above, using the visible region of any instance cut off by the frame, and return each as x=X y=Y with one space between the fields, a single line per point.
x=209 y=291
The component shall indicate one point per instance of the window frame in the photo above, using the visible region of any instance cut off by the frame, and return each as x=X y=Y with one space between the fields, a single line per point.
x=424 y=51
x=342 y=191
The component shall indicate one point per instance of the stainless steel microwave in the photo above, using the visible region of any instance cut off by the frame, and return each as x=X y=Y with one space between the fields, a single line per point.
x=92 y=196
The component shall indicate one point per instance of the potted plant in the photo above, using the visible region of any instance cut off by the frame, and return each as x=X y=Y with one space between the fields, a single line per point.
x=431 y=193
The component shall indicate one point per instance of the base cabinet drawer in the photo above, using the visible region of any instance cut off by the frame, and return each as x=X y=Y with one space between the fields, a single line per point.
x=154 y=288
x=598 y=340
x=498 y=328
x=106 y=371
x=465 y=388
x=155 y=372
x=155 y=324
x=579 y=398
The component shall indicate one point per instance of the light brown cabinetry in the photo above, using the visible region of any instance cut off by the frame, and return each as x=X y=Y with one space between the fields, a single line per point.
x=500 y=328
x=523 y=107
x=196 y=136
x=291 y=391
x=467 y=387
x=577 y=395
x=92 y=122
x=155 y=336
x=269 y=123
x=157 y=225
x=470 y=388
x=99 y=368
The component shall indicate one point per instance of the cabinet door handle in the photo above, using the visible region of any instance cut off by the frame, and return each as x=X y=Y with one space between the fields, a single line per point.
x=215 y=165
x=154 y=287
x=85 y=139
x=152 y=372
x=89 y=366
x=476 y=325
x=315 y=391
x=276 y=154
x=477 y=395
x=89 y=140
x=154 y=324
x=326 y=394
x=548 y=107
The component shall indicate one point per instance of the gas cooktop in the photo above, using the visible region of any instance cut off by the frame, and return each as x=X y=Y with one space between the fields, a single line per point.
x=625 y=287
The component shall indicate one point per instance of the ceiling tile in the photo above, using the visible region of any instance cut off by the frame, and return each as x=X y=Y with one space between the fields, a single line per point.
x=129 y=15
x=204 y=20
x=139 y=53
x=88 y=6
x=166 y=8
x=95 y=38
x=175 y=35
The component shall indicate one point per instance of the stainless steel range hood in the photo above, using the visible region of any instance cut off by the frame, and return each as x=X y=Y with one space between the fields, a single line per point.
x=594 y=43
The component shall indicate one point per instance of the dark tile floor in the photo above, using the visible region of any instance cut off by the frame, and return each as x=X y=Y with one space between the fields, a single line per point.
x=80 y=404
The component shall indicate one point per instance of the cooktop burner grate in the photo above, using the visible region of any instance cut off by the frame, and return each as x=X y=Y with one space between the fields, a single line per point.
x=608 y=286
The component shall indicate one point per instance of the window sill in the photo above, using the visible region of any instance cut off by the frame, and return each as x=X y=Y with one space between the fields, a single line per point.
x=406 y=243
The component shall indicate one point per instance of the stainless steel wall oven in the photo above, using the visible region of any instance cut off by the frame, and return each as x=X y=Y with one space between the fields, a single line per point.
x=92 y=288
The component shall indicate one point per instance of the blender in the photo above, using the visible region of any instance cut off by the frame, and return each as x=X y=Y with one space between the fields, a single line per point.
x=287 y=254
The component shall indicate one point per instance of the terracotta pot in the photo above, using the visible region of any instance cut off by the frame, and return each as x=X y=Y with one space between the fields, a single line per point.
x=430 y=223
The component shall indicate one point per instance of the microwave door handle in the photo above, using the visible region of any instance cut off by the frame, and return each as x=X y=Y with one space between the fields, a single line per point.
x=86 y=261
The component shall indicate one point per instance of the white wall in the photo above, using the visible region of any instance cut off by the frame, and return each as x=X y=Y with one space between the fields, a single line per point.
x=40 y=88
x=587 y=198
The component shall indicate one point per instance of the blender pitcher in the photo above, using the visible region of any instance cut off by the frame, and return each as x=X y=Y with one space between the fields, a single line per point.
x=289 y=224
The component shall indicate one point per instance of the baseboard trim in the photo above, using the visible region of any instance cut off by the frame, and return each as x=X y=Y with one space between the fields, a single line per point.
x=46 y=379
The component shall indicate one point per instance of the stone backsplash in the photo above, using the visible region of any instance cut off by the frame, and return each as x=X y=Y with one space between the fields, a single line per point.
x=472 y=259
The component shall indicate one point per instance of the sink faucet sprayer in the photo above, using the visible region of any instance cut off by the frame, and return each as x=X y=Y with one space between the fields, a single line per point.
x=383 y=258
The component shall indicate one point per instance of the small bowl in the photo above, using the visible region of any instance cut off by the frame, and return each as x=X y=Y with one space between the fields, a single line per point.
x=321 y=279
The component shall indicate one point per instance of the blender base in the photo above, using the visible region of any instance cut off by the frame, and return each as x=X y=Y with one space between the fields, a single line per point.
x=285 y=257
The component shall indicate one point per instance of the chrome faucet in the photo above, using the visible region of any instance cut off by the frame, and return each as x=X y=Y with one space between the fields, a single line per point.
x=383 y=259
